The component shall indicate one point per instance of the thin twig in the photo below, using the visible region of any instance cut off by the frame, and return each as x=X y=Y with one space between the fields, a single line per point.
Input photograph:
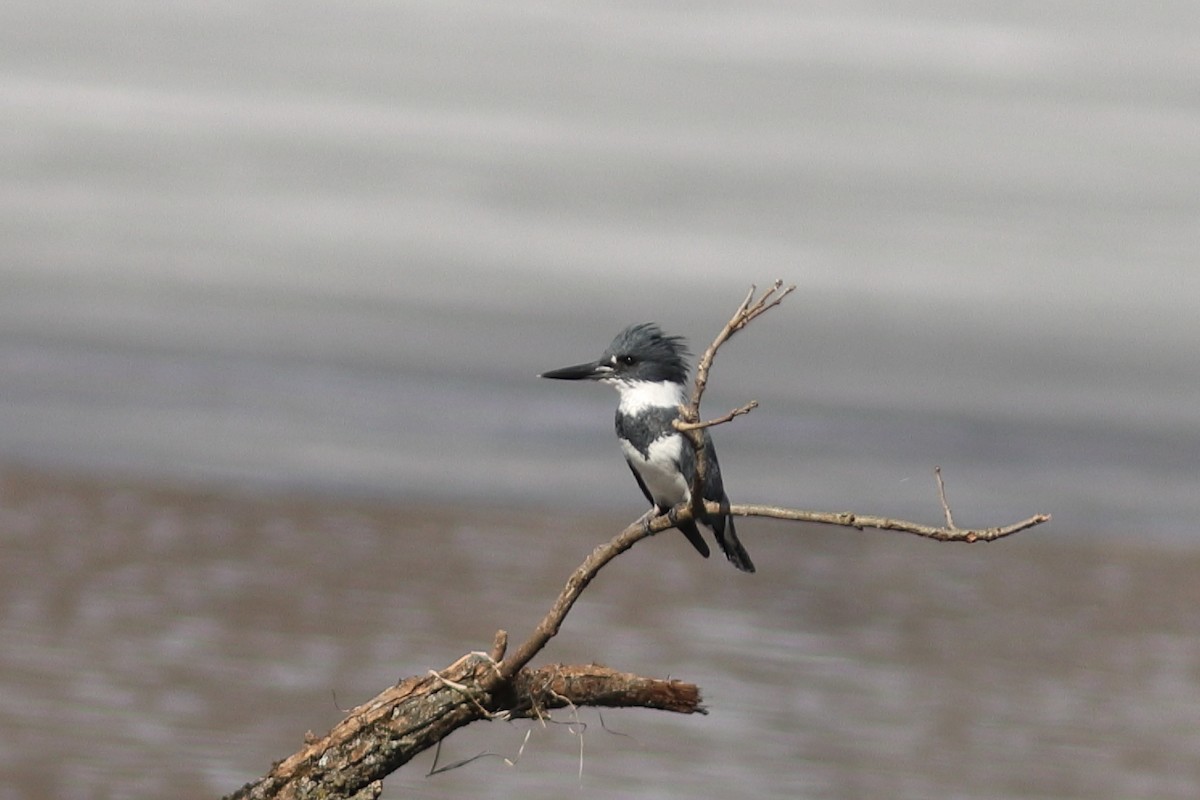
x=689 y=416
x=937 y=473
x=684 y=427
x=745 y=313
x=849 y=519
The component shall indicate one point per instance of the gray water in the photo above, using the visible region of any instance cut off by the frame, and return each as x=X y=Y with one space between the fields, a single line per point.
x=262 y=254
x=165 y=643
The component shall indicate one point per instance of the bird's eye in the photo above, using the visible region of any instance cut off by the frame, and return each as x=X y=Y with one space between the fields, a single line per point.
x=627 y=360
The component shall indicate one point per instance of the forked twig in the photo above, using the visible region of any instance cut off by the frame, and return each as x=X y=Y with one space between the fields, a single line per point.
x=749 y=310
x=689 y=423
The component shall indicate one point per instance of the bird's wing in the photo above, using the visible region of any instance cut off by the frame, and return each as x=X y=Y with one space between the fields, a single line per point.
x=714 y=487
x=714 y=490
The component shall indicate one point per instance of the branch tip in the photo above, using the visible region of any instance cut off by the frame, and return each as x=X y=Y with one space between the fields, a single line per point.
x=499 y=645
x=937 y=473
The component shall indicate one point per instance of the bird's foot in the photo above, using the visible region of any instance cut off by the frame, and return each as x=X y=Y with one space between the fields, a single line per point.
x=644 y=520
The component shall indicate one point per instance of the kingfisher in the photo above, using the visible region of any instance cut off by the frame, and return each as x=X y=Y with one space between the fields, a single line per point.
x=649 y=369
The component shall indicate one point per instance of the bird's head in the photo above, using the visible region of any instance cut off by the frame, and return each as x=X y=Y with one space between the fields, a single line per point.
x=638 y=353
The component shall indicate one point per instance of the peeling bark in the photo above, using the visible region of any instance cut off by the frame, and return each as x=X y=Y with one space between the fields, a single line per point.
x=383 y=734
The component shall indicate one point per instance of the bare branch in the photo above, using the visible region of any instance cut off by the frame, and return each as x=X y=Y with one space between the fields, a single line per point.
x=499 y=645
x=381 y=735
x=421 y=711
x=849 y=519
x=937 y=473
x=583 y=575
x=684 y=427
x=689 y=416
x=558 y=685
x=578 y=581
x=745 y=313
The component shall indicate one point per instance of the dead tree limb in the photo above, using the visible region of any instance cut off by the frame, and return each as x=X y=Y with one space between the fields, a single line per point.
x=379 y=736
x=383 y=734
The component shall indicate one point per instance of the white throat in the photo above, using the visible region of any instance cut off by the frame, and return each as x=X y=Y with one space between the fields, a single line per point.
x=639 y=395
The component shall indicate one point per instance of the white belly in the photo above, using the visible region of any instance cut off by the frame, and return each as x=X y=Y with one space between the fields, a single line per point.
x=660 y=470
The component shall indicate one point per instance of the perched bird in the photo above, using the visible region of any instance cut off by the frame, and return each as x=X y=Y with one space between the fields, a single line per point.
x=649 y=369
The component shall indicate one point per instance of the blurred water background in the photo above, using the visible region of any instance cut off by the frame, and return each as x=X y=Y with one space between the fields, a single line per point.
x=276 y=282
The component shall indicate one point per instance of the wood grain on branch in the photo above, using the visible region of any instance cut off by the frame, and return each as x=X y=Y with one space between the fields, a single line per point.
x=381 y=735
x=559 y=686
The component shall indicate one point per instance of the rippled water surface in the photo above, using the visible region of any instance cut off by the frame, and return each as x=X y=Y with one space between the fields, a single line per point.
x=164 y=642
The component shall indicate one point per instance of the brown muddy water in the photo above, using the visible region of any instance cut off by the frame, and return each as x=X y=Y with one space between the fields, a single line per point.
x=164 y=642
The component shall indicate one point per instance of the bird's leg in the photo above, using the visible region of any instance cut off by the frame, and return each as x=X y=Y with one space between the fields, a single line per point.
x=644 y=519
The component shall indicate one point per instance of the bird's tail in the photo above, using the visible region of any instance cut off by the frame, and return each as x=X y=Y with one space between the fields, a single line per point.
x=726 y=536
x=692 y=533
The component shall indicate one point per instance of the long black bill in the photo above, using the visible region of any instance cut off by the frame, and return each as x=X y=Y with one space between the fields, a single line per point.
x=591 y=371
